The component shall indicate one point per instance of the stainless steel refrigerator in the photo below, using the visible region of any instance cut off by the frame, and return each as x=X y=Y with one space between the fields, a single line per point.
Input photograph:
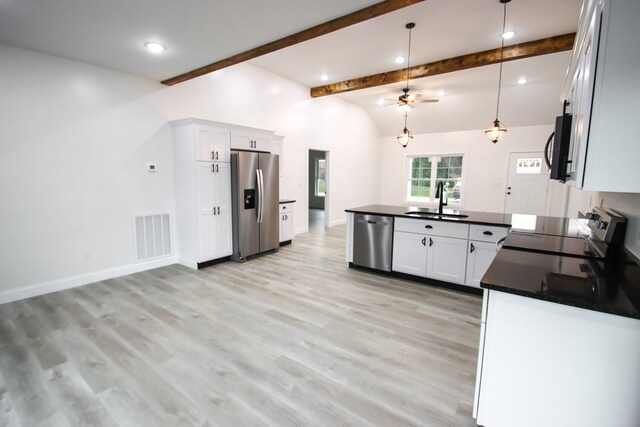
x=254 y=198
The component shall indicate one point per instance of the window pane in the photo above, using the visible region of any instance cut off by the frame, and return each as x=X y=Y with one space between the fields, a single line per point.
x=419 y=188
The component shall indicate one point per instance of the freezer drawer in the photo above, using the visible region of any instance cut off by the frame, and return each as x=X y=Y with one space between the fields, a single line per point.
x=372 y=241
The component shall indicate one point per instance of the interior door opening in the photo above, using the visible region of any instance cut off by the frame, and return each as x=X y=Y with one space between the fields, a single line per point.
x=318 y=188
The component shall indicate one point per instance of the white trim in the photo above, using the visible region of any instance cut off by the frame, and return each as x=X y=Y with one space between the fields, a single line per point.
x=187 y=263
x=84 y=279
x=338 y=222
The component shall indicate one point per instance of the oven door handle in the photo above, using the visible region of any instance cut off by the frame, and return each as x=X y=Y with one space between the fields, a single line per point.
x=547 y=158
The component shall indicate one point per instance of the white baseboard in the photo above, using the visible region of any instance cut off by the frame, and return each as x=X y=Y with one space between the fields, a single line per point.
x=187 y=263
x=338 y=222
x=300 y=230
x=84 y=279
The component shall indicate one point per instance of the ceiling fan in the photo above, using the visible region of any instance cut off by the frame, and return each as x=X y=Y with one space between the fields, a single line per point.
x=405 y=101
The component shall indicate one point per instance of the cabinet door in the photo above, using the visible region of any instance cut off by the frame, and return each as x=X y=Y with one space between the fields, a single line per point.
x=204 y=139
x=223 y=241
x=221 y=145
x=480 y=255
x=207 y=210
x=286 y=227
x=410 y=253
x=446 y=259
x=248 y=141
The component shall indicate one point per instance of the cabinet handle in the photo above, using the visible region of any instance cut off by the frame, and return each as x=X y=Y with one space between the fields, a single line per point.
x=216 y=155
x=286 y=217
x=424 y=241
x=213 y=168
x=214 y=210
x=430 y=242
x=473 y=248
x=218 y=210
x=213 y=156
x=428 y=226
x=217 y=168
x=488 y=233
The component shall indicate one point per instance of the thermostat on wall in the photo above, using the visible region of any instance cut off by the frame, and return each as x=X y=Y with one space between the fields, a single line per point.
x=151 y=167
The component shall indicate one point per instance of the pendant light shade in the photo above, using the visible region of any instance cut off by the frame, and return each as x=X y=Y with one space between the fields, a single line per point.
x=494 y=131
x=405 y=136
x=497 y=129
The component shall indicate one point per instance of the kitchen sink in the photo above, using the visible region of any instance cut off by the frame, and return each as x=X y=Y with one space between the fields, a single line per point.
x=437 y=215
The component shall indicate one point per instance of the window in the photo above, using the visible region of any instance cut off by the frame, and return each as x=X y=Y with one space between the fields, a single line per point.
x=425 y=172
x=321 y=184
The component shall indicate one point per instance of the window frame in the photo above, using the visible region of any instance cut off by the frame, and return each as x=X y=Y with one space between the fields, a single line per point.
x=317 y=178
x=431 y=200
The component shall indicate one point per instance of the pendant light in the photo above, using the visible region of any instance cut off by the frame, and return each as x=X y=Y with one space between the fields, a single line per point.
x=496 y=129
x=405 y=137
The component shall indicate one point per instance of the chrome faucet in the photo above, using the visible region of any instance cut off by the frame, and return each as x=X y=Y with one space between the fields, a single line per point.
x=441 y=194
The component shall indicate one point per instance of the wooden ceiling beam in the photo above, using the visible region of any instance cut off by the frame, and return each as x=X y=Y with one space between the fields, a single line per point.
x=353 y=18
x=464 y=62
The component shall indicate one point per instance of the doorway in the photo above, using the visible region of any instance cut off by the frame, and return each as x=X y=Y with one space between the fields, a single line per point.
x=527 y=184
x=318 y=191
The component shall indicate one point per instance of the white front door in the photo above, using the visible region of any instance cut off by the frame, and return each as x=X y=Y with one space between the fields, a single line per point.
x=527 y=184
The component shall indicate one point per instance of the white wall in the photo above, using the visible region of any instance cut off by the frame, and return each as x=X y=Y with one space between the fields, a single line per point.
x=74 y=140
x=485 y=167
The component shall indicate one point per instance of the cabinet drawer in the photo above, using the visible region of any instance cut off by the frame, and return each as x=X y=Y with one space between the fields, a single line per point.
x=435 y=228
x=487 y=233
x=286 y=208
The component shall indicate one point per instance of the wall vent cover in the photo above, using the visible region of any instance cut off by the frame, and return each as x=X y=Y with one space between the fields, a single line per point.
x=152 y=236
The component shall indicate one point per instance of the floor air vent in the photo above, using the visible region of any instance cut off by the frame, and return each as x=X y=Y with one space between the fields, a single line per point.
x=153 y=236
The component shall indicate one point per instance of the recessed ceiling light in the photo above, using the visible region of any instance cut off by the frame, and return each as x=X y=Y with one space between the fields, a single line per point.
x=522 y=80
x=507 y=35
x=441 y=92
x=154 y=47
x=399 y=60
x=380 y=101
x=324 y=77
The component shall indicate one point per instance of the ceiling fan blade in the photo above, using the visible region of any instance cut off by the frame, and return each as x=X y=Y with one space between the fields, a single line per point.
x=426 y=100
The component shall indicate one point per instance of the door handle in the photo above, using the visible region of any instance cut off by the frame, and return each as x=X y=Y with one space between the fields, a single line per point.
x=424 y=241
x=430 y=242
x=473 y=248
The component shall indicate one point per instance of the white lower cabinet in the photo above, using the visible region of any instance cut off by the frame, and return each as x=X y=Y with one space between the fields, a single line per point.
x=446 y=259
x=443 y=250
x=286 y=222
x=479 y=257
x=424 y=248
x=214 y=210
x=409 y=253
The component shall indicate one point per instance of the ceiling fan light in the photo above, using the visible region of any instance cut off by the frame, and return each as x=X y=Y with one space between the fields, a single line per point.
x=404 y=108
x=405 y=137
x=495 y=131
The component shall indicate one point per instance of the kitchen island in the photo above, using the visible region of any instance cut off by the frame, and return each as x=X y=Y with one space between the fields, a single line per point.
x=559 y=341
x=450 y=249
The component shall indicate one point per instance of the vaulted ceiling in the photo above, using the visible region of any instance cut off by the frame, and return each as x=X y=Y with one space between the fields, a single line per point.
x=111 y=34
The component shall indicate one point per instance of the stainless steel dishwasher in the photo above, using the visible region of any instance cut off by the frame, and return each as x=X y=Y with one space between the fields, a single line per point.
x=372 y=241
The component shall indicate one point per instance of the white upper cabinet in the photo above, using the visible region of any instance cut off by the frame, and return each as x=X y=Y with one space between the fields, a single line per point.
x=250 y=140
x=212 y=144
x=603 y=91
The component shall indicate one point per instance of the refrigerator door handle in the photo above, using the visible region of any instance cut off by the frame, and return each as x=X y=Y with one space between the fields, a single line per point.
x=261 y=196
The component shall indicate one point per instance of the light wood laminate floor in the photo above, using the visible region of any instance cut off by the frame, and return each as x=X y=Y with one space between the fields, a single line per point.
x=293 y=338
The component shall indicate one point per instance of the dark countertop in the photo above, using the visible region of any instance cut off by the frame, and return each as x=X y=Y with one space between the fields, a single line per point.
x=286 y=201
x=611 y=287
x=485 y=218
